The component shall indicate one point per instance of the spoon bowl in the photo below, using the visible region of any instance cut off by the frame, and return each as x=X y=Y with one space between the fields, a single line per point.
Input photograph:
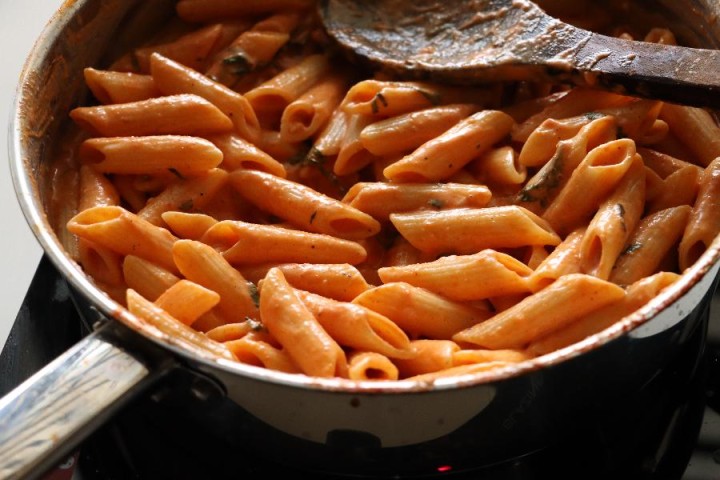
x=476 y=41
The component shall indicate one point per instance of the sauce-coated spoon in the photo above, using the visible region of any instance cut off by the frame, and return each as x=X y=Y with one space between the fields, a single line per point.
x=473 y=41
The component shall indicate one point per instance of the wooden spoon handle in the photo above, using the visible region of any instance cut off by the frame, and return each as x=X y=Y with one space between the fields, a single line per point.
x=665 y=72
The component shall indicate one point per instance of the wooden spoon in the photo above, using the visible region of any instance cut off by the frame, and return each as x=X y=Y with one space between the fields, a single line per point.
x=473 y=41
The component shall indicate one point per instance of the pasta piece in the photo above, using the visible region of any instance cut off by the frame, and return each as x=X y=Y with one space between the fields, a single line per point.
x=651 y=241
x=101 y=264
x=543 y=187
x=110 y=87
x=371 y=366
x=696 y=129
x=233 y=331
x=150 y=155
x=704 y=222
x=339 y=281
x=446 y=154
x=147 y=278
x=566 y=300
x=381 y=199
x=662 y=163
x=406 y=132
x=255 y=349
x=357 y=327
x=201 y=264
x=565 y=259
x=303 y=206
x=183 y=114
x=576 y=102
x=209 y=10
x=185 y=195
x=390 y=98
x=499 y=166
x=125 y=233
x=543 y=141
x=186 y=301
x=595 y=177
x=253 y=48
x=470 y=230
x=427 y=356
x=403 y=253
x=614 y=222
x=353 y=156
x=304 y=117
x=679 y=188
x=637 y=295
x=239 y=153
x=330 y=139
x=278 y=92
x=420 y=312
x=468 y=277
x=244 y=243
x=191 y=226
x=192 y=49
x=174 y=331
x=172 y=78
x=470 y=357
x=95 y=189
x=289 y=321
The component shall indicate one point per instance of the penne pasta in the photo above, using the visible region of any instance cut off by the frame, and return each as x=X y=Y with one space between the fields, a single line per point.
x=704 y=222
x=465 y=277
x=371 y=366
x=569 y=298
x=637 y=295
x=110 y=87
x=613 y=223
x=296 y=329
x=357 y=327
x=174 y=330
x=187 y=195
x=340 y=281
x=182 y=155
x=470 y=230
x=303 y=206
x=201 y=264
x=379 y=199
x=243 y=243
x=172 y=78
x=420 y=312
x=183 y=114
x=651 y=241
x=441 y=157
x=406 y=132
x=125 y=233
x=589 y=184
x=187 y=301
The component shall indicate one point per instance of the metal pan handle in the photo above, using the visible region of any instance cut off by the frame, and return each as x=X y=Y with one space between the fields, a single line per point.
x=49 y=414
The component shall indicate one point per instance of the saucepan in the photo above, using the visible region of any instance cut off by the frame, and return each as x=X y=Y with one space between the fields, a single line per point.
x=332 y=425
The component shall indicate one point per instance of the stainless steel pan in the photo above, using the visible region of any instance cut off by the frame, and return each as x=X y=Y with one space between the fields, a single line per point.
x=327 y=425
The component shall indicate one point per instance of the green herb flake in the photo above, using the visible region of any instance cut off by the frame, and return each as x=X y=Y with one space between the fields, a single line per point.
x=186 y=206
x=254 y=293
x=237 y=64
x=594 y=115
x=433 y=97
x=375 y=106
x=176 y=172
x=632 y=248
x=436 y=203
x=255 y=325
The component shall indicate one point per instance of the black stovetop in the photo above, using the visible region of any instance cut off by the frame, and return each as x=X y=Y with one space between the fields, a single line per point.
x=161 y=435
